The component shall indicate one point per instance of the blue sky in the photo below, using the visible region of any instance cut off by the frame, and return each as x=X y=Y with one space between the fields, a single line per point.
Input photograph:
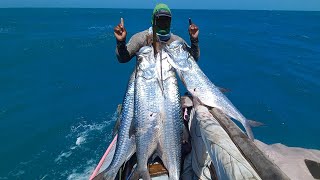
x=174 y=4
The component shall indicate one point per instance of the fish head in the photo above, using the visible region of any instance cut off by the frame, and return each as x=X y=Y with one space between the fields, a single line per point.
x=179 y=55
x=145 y=53
x=146 y=65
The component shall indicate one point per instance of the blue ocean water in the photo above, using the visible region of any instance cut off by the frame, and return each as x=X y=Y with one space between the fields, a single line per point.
x=60 y=82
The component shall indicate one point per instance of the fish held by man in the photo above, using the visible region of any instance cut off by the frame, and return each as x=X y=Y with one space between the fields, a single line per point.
x=145 y=126
x=158 y=120
x=172 y=124
x=199 y=85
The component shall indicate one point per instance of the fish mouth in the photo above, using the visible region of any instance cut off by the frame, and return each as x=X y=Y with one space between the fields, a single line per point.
x=178 y=56
x=177 y=49
x=146 y=63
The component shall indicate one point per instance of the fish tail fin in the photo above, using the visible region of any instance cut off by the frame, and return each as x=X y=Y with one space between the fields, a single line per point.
x=249 y=124
x=253 y=123
x=223 y=90
x=248 y=129
x=145 y=175
x=136 y=174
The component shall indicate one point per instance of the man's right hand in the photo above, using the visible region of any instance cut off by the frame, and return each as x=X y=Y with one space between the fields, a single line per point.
x=120 y=32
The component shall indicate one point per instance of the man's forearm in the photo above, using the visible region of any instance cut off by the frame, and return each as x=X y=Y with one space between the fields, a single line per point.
x=122 y=52
x=195 y=50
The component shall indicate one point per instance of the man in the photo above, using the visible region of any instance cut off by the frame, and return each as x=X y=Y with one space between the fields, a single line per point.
x=160 y=30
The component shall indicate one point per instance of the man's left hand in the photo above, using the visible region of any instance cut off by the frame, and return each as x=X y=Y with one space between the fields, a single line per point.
x=193 y=31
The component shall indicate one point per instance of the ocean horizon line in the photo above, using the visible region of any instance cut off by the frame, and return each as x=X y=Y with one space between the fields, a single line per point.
x=218 y=9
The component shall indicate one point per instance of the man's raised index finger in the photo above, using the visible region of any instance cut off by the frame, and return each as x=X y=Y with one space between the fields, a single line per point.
x=121 y=22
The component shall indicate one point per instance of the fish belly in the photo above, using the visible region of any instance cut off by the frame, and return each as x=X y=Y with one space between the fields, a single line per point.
x=146 y=127
x=171 y=134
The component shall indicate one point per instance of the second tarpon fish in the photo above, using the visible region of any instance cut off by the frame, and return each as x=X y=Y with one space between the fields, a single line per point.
x=198 y=84
x=170 y=138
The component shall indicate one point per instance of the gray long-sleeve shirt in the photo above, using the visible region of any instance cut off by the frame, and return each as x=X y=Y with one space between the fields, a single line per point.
x=125 y=52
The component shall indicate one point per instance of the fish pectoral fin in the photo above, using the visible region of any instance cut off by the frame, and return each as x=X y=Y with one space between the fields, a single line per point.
x=253 y=123
x=223 y=90
x=132 y=130
x=116 y=127
x=117 y=124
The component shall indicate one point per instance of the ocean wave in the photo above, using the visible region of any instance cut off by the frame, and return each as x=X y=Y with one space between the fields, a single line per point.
x=62 y=155
x=44 y=177
x=80 y=140
x=82 y=130
x=84 y=133
x=305 y=36
x=81 y=137
x=3 y=111
x=100 y=28
x=82 y=149
x=22 y=169
x=80 y=134
x=5 y=30
x=83 y=174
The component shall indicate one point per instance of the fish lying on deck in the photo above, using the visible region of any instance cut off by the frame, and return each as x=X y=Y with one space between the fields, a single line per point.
x=157 y=115
x=198 y=84
x=126 y=146
x=226 y=157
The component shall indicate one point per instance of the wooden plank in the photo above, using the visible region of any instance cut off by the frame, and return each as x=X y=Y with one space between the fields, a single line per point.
x=157 y=170
x=263 y=166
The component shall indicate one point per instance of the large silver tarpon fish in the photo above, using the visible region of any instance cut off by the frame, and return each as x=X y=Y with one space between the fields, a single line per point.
x=198 y=84
x=171 y=133
x=157 y=120
x=147 y=103
x=126 y=146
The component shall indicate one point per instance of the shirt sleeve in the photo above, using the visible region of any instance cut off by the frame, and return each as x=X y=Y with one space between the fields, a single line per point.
x=125 y=52
x=195 y=49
